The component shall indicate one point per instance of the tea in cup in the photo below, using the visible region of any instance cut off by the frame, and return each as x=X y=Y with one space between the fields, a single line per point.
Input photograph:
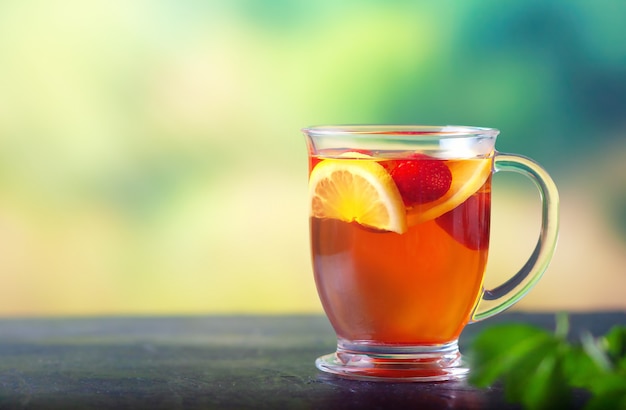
x=399 y=230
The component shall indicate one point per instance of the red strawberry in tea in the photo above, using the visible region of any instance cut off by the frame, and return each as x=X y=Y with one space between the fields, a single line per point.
x=422 y=179
x=468 y=223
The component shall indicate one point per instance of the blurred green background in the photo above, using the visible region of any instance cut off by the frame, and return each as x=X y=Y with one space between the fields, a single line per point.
x=151 y=160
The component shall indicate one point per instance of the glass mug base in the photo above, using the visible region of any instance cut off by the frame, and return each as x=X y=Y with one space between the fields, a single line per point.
x=369 y=362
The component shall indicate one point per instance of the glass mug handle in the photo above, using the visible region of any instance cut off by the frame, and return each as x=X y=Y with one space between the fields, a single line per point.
x=494 y=301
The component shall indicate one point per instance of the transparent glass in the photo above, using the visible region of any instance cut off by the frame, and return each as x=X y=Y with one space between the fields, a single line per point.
x=399 y=226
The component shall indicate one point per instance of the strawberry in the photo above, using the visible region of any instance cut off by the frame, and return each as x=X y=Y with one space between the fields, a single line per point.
x=468 y=223
x=421 y=179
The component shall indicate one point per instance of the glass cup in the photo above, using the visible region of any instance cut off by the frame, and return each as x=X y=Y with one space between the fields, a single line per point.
x=399 y=225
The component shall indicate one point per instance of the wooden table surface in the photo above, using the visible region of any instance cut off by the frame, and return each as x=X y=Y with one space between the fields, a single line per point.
x=216 y=362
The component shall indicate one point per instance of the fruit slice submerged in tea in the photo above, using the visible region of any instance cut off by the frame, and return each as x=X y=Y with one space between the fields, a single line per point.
x=468 y=223
x=468 y=176
x=361 y=191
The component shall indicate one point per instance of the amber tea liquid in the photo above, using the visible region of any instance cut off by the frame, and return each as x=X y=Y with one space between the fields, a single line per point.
x=419 y=287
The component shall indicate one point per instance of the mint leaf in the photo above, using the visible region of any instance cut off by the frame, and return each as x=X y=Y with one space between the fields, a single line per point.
x=579 y=368
x=615 y=344
x=528 y=359
x=539 y=369
x=500 y=349
x=596 y=352
x=546 y=388
x=613 y=401
x=609 y=392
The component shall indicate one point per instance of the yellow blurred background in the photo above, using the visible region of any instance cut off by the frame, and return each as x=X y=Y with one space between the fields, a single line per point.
x=151 y=160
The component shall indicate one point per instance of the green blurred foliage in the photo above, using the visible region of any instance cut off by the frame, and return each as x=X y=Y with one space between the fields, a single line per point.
x=150 y=144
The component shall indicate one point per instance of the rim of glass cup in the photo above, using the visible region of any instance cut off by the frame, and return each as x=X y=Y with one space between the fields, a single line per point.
x=408 y=131
x=445 y=141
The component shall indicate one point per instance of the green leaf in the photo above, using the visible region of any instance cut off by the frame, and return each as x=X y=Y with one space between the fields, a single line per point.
x=615 y=343
x=608 y=383
x=544 y=388
x=613 y=398
x=596 y=352
x=580 y=369
x=539 y=369
x=538 y=380
x=499 y=349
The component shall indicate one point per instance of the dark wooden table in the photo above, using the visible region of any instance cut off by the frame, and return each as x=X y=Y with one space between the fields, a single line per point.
x=214 y=362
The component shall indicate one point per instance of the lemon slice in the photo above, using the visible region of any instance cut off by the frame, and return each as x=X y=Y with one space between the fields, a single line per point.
x=468 y=176
x=354 y=154
x=361 y=191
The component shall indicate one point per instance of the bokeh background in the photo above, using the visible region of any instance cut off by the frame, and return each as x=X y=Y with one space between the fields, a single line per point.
x=151 y=160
